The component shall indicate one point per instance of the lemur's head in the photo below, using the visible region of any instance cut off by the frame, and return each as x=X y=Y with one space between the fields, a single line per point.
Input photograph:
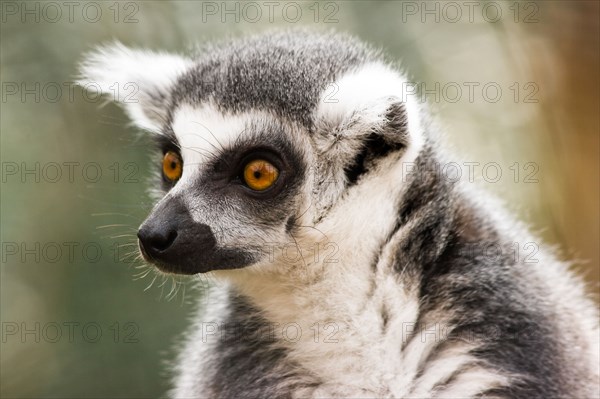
x=288 y=137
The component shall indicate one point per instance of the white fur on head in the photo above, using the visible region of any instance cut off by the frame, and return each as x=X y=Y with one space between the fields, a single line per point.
x=140 y=80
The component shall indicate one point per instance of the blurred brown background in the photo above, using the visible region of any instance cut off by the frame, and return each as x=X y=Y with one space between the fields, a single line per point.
x=542 y=131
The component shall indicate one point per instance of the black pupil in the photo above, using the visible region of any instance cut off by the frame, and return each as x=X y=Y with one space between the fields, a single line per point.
x=257 y=174
x=173 y=164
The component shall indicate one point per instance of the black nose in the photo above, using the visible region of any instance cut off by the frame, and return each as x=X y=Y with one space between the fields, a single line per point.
x=155 y=239
x=158 y=235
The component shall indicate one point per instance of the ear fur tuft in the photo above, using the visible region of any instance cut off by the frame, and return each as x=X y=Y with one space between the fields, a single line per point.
x=139 y=80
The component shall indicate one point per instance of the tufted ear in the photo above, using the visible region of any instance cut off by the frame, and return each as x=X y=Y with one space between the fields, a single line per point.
x=363 y=121
x=356 y=131
x=376 y=130
x=139 y=80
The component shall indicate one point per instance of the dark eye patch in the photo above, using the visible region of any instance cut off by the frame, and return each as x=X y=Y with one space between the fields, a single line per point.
x=266 y=141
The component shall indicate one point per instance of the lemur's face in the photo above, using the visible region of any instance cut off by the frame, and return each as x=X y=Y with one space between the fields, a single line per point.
x=232 y=187
x=261 y=142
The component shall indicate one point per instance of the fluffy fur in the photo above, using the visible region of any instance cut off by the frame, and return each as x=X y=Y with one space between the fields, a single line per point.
x=366 y=274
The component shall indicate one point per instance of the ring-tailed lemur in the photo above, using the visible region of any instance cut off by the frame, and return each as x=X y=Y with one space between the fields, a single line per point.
x=296 y=172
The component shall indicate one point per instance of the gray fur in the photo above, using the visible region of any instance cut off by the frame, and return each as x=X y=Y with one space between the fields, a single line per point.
x=282 y=72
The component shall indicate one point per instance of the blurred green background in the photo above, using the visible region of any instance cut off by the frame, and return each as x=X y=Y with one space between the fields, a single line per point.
x=63 y=282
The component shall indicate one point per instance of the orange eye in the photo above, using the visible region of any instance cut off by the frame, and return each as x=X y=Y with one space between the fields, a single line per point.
x=172 y=166
x=260 y=174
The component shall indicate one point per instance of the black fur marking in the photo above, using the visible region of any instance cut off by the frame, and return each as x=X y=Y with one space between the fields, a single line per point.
x=397 y=121
x=375 y=146
x=290 y=224
x=249 y=344
x=385 y=318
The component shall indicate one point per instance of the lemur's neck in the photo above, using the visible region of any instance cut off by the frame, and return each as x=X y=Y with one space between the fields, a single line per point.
x=340 y=318
x=330 y=271
x=349 y=295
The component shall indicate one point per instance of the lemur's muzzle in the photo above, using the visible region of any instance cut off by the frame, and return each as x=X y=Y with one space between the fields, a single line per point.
x=170 y=239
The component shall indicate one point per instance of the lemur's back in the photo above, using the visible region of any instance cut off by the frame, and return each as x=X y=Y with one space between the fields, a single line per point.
x=403 y=283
